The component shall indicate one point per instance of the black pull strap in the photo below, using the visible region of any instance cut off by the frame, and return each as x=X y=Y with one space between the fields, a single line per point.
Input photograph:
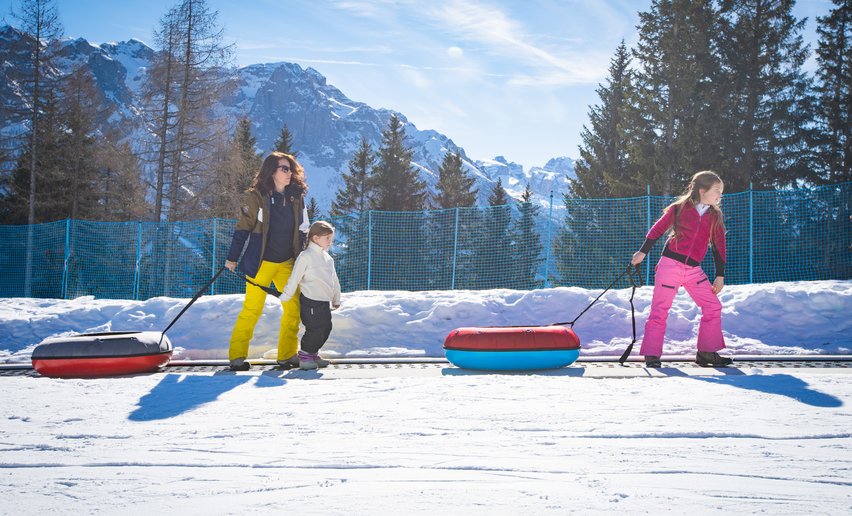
x=571 y=323
x=269 y=290
x=194 y=299
x=635 y=281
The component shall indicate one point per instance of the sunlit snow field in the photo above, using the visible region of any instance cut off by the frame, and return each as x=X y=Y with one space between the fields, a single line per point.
x=743 y=440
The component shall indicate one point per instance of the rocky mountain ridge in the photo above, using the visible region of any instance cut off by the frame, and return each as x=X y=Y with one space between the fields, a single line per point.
x=326 y=125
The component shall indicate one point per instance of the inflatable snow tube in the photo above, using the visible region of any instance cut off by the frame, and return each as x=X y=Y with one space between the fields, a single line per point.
x=512 y=348
x=94 y=355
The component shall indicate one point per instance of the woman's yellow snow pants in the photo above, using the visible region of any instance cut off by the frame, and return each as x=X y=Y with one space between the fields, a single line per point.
x=288 y=342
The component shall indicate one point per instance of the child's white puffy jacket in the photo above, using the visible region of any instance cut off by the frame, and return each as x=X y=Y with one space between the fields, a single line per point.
x=315 y=274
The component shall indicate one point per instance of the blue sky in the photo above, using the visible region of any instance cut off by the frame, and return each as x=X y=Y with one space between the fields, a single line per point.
x=499 y=77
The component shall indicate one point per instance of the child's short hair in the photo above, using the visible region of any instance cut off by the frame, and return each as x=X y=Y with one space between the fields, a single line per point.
x=320 y=228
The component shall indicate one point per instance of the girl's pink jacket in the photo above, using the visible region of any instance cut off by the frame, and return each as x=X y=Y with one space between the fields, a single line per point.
x=694 y=237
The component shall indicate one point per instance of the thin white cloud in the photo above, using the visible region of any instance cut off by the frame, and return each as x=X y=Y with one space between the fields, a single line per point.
x=530 y=59
x=405 y=67
x=459 y=69
x=416 y=78
x=490 y=26
x=368 y=9
x=322 y=61
x=253 y=44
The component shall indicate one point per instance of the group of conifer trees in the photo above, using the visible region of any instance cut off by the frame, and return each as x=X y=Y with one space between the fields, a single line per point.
x=722 y=85
x=719 y=85
x=71 y=162
x=396 y=235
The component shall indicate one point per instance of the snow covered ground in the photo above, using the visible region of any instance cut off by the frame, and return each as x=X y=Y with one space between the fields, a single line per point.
x=743 y=440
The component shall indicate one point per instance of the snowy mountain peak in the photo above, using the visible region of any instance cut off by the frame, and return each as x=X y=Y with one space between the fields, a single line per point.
x=326 y=125
x=542 y=180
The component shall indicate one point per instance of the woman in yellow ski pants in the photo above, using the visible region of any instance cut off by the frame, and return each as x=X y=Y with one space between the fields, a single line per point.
x=288 y=342
x=274 y=221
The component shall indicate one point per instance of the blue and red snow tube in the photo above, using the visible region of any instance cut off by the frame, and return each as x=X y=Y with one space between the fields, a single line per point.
x=94 y=355
x=508 y=348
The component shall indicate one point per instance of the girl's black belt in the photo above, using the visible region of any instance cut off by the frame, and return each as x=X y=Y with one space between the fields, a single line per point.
x=682 y=258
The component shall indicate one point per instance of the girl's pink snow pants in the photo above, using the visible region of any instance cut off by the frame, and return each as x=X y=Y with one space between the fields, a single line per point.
x=670 y=275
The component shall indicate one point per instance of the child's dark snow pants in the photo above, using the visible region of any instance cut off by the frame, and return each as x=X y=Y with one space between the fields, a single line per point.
x=316 y=316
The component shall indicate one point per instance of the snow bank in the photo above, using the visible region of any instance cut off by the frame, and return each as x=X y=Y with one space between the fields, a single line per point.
x=773 y=318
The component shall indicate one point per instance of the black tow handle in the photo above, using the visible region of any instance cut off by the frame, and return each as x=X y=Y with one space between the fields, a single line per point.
x=269 y=290
x=636 y=282
x=272 y=291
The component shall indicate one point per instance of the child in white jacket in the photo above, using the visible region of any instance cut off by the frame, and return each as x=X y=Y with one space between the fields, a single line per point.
x=314 y=274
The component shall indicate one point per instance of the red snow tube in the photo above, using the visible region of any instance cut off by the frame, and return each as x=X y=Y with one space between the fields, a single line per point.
x=94 y=355
x=512 y=347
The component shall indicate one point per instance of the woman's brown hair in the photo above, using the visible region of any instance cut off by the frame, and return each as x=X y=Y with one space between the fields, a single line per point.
x=263 y=181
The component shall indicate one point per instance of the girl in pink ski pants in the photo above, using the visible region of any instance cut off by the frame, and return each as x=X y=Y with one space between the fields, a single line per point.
x=669 y=277
x=694 y=223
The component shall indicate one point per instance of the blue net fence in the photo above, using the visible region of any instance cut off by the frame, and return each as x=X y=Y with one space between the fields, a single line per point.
x=793 y=235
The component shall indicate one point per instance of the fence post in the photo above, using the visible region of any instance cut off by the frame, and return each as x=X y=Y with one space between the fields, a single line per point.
x=137 y=272
x=455 y=249
x=67 y=254
x=369 y=247
x=750 y=233
x=547 y=251
x=28 y=266
x=213 y=268
x=647 y=227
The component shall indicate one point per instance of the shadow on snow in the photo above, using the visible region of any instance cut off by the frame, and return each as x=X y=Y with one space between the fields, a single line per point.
x=178 y=393
x=778 y=384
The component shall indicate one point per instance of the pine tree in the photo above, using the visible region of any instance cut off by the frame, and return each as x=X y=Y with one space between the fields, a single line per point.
x=763 y=52
x=455 y=187
x=235 y=164
x=453 y=228
x=246 y=143
x=284 y=142
x=349 y=208
x=607 y=168
x=401 y=244
x=834 y=55
x=122 y=194
x=677 y=81
x=395 y=181
x=81 y=175
x=249 y=160
x=313 y=210
x=82 y=103
x=493 y=265
x=49 y=202
x=527 y=244
x=498 y=195
x=158 y=101
x=354 y=196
